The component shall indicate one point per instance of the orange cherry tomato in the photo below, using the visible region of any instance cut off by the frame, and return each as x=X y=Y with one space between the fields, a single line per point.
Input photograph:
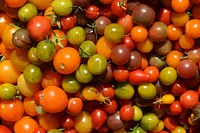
x=11 y=110
x=41 y=4
x=55 y=95
x=153 y=73
x=75 y=105
x=145 y=47
x=139 y=33
x=180 y=18
x=5 y=51
x=127 y=22
x=174 y=32
x=4 y=20
x=15 y=3
x=173 y=58
x=191 y=28
x=104 y=47
x=66 y=60
x=29 y=106
x=51 y=78
x=25 y=125
x=7 y=36
x=8 y=73
x=180 y=5
x=186 y=42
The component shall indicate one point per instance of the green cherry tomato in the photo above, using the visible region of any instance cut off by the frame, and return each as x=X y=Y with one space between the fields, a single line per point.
x=62 y=7
x=7 y=91
x=70 y=84
x=76 y=35
x=27 y=12
x=97 y=64
x=82 y=74
x=114 y=33
x=149 y=121
x=54 y=131
x=46 y=50
x=168 y=75
x=33 y=74
x=138 y=114
x=32 y=56
x=124 y=91
x=147 y=90
x=87 y=49
x=138 y=130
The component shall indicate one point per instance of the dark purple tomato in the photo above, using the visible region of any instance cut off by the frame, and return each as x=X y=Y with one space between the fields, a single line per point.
x=90 y=34
x=135 y=60
x=120 y=54
x=107 y=76
x=80 y=18
x=132 y=4
x=157 y=61
x=143 y=15
x=158 y=32
x=187 y=68
x=178 y=87
x=101 y=23
x=82 y=3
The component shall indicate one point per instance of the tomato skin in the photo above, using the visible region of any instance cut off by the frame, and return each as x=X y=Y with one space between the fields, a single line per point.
x=99 y=117
x=39 y=27
x=189 y=99
x=164 y=15
x=4 y=129
x=153 y=72
x=15 y=4
x=11 y=110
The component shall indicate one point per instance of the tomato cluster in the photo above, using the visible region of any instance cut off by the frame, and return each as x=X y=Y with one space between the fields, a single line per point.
x=99 y=66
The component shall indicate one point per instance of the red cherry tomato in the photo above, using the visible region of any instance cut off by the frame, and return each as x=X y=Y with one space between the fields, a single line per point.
x=67 y=122
x=189 y=99
x=164 y=15
x=99 y=117
x=111 y=106
x=176 y=108
x=121 y=73
x=119 y=7
x=126 y=112
x=75 y=105
x=92 y=11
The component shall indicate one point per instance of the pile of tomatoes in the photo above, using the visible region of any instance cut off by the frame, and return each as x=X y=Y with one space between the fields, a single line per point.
x=99 y=66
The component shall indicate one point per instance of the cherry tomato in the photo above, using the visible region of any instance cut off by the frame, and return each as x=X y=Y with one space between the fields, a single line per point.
x=4 y=129
x=139 y=33
x=126 y=112
x=127 y=22
x=119 y=7
x=66 y=60
x=153 y=73
x=108 y=91
x=111 y=106
x=68 y=22
x=56 y=95
x=39 y=27
x=121 y=73
x=164 y=15
x=25 y=125
x=170 y=122
x=191 y=26
x=75 y=105
x=8 y=73
x=180 y=5
x=176 y=108
x=67 y=122
x=99 y=117
x=189 y=99
x=92 y=11
x=11 y=110
x=41 y=5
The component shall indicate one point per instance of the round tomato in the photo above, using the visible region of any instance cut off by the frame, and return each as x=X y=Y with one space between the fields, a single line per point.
x=4 y=129
x=8 y=73
x=75 y=105
x=56 y=95
x=126 y=112
x=66 y=60
x=121 y=73
x=39 y=27
x=189 y=99
x=11 y=110
x=99 y=117
x=4 y=21
x=30 y=106
x=25 y=125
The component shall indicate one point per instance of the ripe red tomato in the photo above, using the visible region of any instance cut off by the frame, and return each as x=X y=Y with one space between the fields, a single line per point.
x=92 y=11
x=170 y=121
x=39 y=27
x=121 y=73
x=164 y=15
x=67 y=122
x=153 y=73
x=189 y=99
x=119 y=7
x=176 y=108
x=111 y=106
x=108 y=91
x=67 y=22
x=126 y=112
x=99 y=117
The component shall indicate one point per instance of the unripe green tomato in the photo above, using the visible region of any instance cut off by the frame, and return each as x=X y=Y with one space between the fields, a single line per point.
x=168 y=75
x=70 y=84
x=62 y=7
x=124 y=91
x=149 y=121
x=7 y=91
x=27 y=12
x=147 y=91
x=82 y=74
x=138 y=114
